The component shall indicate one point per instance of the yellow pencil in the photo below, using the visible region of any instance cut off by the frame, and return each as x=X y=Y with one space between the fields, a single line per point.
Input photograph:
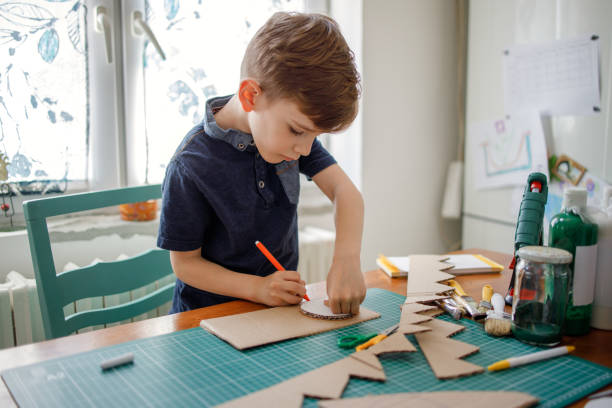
x=531 y=358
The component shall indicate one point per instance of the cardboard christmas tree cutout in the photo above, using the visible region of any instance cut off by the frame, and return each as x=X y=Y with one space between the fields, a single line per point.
x=442 y=353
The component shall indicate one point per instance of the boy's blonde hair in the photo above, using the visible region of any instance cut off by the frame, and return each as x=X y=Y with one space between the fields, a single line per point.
x=305 y=58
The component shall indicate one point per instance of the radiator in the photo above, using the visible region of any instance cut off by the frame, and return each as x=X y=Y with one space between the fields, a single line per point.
x=316 y=253
x=20 y=317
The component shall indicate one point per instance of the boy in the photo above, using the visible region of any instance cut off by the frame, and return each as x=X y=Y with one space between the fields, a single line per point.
x=235 y=177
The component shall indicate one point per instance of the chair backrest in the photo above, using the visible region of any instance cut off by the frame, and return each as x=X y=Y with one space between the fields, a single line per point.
x=100 y=279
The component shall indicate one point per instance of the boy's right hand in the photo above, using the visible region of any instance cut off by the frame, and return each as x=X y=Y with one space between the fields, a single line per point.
x=281 y=288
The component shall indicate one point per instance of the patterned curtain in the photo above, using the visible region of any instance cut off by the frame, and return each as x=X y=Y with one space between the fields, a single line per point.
x=44 y=111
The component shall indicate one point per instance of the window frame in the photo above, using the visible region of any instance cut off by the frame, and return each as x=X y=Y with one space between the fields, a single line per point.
x=113 y=141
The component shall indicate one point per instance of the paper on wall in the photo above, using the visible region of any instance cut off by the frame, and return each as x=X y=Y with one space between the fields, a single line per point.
x=557 y=78
x=505 y=151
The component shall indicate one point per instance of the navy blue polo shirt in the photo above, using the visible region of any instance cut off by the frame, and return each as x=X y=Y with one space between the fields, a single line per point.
x=220 y=195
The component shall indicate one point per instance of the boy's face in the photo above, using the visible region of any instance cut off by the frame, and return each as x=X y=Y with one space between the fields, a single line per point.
x=280 y=130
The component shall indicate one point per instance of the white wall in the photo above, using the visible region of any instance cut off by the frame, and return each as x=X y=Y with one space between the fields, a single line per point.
x=409 y=125
x=490 y=215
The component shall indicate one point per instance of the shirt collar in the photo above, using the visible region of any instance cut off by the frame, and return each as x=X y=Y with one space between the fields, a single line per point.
x=239 y=140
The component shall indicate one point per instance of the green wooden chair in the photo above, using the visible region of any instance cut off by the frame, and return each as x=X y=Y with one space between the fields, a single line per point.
x=100 y=279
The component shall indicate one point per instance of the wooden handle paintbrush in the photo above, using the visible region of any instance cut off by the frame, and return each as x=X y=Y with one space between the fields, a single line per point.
x=466 y=301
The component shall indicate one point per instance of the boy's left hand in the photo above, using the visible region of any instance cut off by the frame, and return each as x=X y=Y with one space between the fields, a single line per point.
x=345 y=286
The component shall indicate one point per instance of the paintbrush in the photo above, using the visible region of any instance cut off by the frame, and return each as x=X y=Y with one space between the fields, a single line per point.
x=485 y=302
x=450 y=307
x=466 y=301
x=497 y=322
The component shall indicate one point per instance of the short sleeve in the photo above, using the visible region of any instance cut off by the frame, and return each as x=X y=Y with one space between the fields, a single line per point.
x=318 y=159
x=185 y=212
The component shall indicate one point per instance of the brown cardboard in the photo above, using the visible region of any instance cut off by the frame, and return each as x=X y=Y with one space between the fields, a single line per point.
x=325 y=382
x=441 y=399
x=424 y=298
x=444 y=354
x=329 y=381
x=275 y=324
x=369 y=357
x=395 y=343
x=425 y=273
x=412 y=313
x=433 y=313
x=411 y=317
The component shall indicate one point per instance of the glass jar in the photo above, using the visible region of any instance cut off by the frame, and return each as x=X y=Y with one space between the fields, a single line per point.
x=540 y=294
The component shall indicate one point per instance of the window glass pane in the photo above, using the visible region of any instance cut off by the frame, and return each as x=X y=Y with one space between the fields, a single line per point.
x=43 y=91
x=204 y=42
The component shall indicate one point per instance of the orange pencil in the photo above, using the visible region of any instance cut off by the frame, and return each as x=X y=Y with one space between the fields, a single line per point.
x=273 y=260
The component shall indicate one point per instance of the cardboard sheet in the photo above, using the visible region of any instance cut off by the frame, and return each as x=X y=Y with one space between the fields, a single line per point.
x=425 y=298
x=325 y=382
x=443 y=354
x=425 y=273
x=275 y=324
x=330 y=381
x=433 y=313
x=440 y=399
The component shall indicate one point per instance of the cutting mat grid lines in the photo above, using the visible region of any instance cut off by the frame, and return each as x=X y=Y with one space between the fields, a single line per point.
x=195 y=368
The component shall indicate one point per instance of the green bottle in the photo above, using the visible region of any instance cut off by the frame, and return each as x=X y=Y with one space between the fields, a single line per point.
x=572 y=231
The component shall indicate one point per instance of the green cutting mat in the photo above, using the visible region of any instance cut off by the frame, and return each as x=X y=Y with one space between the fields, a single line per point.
x=195 y=368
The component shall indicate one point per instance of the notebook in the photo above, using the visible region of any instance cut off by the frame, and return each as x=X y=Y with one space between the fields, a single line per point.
x=464 y=264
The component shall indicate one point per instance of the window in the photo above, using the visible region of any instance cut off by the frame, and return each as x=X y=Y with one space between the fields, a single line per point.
x=44 y=113
x=88 y=101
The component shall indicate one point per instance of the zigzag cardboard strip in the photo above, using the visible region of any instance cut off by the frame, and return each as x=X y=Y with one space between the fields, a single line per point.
x=443 y=354
x=440 y=399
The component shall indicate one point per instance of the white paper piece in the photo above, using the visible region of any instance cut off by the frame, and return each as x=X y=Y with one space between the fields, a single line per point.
x=466 y=261
x=460 y=262
x=317 y=307
x=599 y=403
x=505 y=151
x=557 y=78
x=401 y=262
x=585 y=269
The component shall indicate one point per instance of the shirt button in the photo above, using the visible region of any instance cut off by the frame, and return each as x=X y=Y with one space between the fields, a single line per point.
x=261 y=184
x=252 y=143
x=241 y=146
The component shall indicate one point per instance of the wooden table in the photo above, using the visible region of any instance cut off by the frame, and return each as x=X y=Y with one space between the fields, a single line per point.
x=594 y=347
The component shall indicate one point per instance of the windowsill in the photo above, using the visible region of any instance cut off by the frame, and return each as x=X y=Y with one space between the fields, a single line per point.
x=86 y=227
x=89 y=226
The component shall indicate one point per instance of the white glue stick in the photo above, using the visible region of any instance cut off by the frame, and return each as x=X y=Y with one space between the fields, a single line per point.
x=126 y=358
